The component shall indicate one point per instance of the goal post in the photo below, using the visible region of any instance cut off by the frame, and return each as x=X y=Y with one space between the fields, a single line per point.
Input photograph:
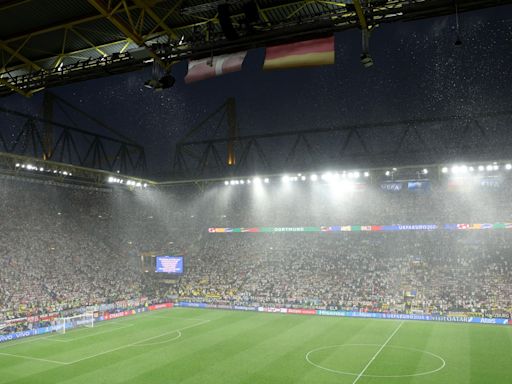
x=64 y=324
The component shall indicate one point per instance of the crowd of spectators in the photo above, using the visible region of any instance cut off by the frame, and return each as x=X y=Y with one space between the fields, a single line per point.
x=65 y=247
x=430 y=272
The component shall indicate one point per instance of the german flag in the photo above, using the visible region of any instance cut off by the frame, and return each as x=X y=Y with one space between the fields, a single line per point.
x=309 y=53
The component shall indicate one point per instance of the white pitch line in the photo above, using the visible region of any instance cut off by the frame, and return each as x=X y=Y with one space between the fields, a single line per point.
x=71 y=339
x=33 y=358
x=137 y=342
x=377 y=353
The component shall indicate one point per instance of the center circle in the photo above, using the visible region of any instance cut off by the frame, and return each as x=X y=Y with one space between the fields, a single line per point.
x=347 y=350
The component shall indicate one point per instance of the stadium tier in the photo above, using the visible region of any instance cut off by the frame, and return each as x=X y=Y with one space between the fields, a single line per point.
x=66 y=249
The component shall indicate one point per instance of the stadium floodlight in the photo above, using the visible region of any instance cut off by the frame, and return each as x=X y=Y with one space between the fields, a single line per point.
x=508 y=167
x=18 y=165
x=425 y=171
x=350 y=175
x=481 y=168
x=226 y=182
x=242 y=182
x=232 y=182
x=495 y=167
x=303 y=178
x=471 y=169
x=285 y=179
x=326 y=176
x=145 y=185
x=256 y=180
x=313 y=177
x=357 y=175
x=267 y=180
x=248 y=181
x=387 y=173
x=444 y=170
x=367 y=174
x=489 y=167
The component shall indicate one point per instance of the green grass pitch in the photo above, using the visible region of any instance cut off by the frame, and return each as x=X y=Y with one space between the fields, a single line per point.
x=212 y=346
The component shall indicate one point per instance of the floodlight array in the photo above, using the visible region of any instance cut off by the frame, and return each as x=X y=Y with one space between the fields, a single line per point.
x=127 y=182
x=34 y=168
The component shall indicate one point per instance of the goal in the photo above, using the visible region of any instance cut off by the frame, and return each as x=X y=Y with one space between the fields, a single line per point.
x=64 y=324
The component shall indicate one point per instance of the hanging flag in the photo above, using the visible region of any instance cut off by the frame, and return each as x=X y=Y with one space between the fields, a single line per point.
x=214 y=66
x=309 y=53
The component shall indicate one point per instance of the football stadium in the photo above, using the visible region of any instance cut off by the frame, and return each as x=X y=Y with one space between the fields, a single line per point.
x=256 y=220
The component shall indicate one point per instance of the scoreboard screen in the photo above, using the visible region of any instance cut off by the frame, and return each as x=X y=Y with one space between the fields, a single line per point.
x=169 y=264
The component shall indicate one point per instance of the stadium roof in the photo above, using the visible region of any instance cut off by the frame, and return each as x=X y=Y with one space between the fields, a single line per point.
x=45 y=43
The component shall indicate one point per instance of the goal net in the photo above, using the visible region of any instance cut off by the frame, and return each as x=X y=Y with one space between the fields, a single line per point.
x=64 y=324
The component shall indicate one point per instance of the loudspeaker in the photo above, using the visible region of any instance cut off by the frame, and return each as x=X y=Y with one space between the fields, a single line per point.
x=225 y=22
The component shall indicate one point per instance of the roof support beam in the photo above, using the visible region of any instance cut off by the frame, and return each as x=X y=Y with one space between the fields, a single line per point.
x=125 y=29
x=360 y=14
x=18 y=55
x=143 y=5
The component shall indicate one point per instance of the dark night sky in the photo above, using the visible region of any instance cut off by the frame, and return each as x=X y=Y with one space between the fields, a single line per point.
x=418 y=72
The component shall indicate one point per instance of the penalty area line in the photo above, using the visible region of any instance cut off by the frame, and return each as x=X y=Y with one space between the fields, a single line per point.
x=34 y=358
x=139 y=343
x=377 y=353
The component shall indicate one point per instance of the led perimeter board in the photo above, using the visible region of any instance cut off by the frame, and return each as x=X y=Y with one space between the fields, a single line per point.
x=169 y=264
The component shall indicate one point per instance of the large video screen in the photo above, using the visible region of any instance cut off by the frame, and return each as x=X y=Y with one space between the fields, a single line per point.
x=169 y=264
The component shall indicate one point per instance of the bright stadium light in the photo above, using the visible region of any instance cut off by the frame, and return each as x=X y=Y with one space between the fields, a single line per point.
x=256 y=180
x=357 y=175
x=326 y=176
x=232 y=182
x=303 y=178
x=249 y=181
x=242 y=182
x=313 y=177
x=425 y=171
x=495 y=167
x=508 y=167
x=481 y=168
x=444 y=170
x=471 y=169
x=367 y=174
x=285 y=179
x=267 y=180
x=388 y=173
x=226 y=182
x=489 y=167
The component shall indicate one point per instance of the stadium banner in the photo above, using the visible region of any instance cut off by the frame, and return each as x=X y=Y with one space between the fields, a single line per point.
x=419 y=186
x=392 y=186
x=301 y=311
x=115 y=315
x=365 y=228
x=308 y=53
x=160 y=306
x=191 y=305
x=476 y=226
x=398 y=316
x=371 y=315
x=27 y=333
